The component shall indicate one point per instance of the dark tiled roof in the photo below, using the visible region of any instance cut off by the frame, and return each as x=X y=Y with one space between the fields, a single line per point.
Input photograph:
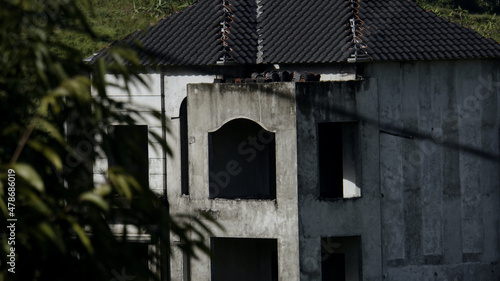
x=401 y=30
x=243 y=38
x=298 y=31
x=312 y=31
x=190 y=37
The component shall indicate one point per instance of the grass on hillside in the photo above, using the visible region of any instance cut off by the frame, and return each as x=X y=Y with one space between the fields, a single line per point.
x=486 y=24
x=113 y=20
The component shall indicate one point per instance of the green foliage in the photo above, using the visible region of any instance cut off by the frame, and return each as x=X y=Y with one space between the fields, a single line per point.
x=52 y=129
x=482 y=20
x=160 y=7
x=476 y=6
x=114 y=19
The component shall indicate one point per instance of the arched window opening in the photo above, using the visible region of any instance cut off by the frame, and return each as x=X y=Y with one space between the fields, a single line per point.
x=242 y=161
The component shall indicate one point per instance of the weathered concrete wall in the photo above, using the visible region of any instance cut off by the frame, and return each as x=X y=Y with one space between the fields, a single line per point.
x=428 y=167
x=429 y=146
x=338 y=102
x=273 y=107
x=441 y=195
x=175 y=90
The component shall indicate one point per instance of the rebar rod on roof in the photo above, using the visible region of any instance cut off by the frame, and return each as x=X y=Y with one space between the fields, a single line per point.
x=359 y=46
x=225 y=31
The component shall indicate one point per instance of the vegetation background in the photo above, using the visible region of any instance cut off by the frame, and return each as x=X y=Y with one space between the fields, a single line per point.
x=480 y=15
x=115 y=19
x=62 y=223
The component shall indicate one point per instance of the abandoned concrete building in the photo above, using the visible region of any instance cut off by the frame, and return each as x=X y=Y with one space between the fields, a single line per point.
x=334 y=140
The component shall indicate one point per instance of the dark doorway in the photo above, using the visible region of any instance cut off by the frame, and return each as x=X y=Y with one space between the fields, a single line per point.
x=244 y=259
x=341 y=258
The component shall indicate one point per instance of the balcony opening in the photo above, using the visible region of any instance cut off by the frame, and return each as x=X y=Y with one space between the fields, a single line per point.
x=341 y=258
x=128 y=148
x=244 y=259
x=184 y=147
x=337 y=150
x=242 y=161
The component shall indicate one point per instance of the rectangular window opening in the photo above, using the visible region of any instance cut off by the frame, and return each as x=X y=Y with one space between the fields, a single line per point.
x=146 y=259
x=128 y=148
x=341 y=258
x=337 y=153
x=244 y=259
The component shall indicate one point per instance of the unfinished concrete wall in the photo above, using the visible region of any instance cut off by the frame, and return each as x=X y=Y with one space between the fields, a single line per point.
x=426 y=165
x=175 y=91
x=271 y=106
x=429 y=156
x=439 y=177
x=342 y=217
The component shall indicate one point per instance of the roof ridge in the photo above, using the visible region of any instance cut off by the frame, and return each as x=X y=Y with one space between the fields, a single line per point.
x=260 y=53
x=356 y=25
x=225 y=24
